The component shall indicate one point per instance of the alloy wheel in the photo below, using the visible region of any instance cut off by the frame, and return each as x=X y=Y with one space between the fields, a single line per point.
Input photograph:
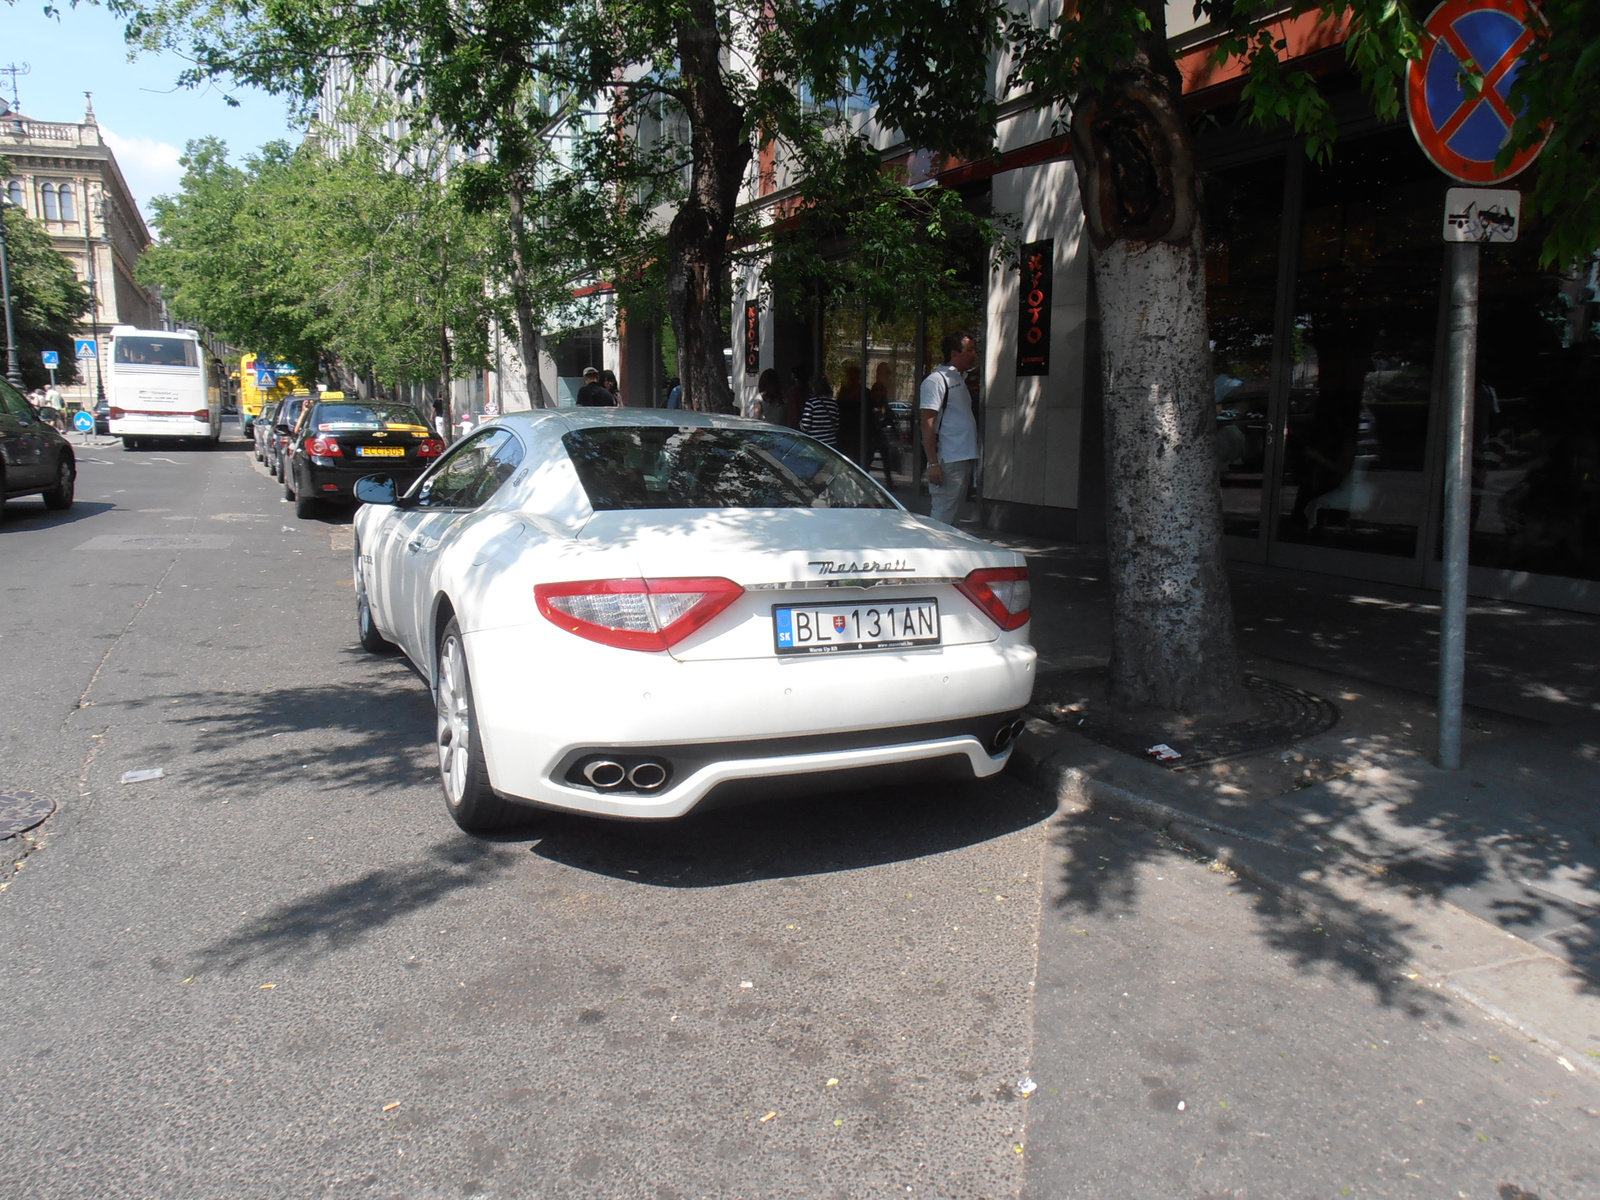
x=455 y=720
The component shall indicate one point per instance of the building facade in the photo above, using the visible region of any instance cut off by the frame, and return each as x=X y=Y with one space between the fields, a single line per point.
x=65 y=176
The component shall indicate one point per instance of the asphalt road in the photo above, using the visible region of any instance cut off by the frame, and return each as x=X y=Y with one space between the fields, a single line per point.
x=279 y=970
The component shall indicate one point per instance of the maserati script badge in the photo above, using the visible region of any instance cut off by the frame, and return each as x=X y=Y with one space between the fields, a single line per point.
x=828 y=566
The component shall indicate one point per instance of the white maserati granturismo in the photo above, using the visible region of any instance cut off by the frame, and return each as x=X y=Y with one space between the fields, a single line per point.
x=633 y=612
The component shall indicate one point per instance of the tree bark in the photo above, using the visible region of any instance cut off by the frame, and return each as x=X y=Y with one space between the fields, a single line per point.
x=1173 y=644
x=697 y=240
x=527 y=335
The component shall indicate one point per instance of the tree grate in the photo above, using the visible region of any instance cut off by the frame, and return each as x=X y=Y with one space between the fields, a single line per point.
x=1283 y=714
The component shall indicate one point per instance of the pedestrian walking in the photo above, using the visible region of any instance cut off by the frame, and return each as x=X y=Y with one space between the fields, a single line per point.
x=949 y=429
x=770 y=404
x=608 y=380
x=820 y=418
x=593 y=393
x=674 y=393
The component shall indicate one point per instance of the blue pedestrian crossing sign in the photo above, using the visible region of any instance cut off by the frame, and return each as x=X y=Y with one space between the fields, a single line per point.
x=52 y=360
x=266 y=378
x=85 y=348
x=83 y=422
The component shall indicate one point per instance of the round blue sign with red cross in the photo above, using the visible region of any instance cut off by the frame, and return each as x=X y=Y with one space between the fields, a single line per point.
x=1461 y=130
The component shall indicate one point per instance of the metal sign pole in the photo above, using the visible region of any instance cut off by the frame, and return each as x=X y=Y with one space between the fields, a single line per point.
x=1461 y=260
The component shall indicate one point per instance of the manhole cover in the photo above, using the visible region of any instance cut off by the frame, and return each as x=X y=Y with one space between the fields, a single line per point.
x=1283 y=714
x=22 y=810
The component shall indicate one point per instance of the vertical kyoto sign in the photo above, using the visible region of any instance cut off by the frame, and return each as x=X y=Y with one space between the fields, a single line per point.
x=752 y=337
x=1033 y=316
x=1459 y=127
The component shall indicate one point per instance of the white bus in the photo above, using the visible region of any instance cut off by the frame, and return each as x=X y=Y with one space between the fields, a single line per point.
x=162 y=384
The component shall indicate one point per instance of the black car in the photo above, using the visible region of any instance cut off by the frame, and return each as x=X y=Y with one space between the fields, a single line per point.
x=33 y=456
x=338 y=442
x=102 y=418
x=261 y=428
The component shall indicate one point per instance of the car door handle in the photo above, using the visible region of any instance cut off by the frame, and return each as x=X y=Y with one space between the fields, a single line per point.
x=414 y=545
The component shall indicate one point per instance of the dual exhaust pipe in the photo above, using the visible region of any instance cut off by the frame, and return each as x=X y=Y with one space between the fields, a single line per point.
x=606 y=775
x=1007 y=734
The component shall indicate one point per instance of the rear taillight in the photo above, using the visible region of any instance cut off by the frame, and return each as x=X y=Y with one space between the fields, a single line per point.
x=635 y=614
x=430 y=448
x=321 y=447
x=1002 y=593
x=116 y=414
x=203 y=415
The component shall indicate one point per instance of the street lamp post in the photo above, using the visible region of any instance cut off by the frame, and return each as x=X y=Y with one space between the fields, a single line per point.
x=13 y=368
x=94 y=287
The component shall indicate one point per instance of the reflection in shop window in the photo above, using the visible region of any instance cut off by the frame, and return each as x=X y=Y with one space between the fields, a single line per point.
x=1365 y=324
x=1243 y=213
x=1536 y=422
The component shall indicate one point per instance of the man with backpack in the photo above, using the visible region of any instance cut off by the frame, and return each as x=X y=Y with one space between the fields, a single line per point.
x=949 y=429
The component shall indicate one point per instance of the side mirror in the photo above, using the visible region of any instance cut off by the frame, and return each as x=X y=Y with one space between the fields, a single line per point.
x=375 y=489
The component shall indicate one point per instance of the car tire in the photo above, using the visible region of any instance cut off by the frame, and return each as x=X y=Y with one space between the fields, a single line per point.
x=130 y=443
x=367 y=633
x=463 y=773
x=306 y=507
x=59 y=497
x=288 y=485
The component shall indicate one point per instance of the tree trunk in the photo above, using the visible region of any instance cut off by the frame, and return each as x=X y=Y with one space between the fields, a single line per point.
x=1172 y=627
x=527 y=335
x=697 y=240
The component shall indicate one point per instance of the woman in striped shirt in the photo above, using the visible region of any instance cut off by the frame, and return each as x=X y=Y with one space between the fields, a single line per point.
x=820 y=417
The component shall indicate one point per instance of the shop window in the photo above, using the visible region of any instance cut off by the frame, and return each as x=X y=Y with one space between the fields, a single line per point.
x=1243 y=218
x=1536 y=421
x=47 y=198
x=1365 y=325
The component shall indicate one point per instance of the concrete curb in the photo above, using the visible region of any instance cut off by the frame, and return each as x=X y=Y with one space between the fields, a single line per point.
x=1510 y=980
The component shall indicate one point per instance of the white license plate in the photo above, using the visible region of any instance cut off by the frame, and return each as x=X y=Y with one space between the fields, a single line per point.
x=836 y=628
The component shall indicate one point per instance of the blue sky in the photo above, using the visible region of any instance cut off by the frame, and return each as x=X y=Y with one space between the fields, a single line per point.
x=143 y=117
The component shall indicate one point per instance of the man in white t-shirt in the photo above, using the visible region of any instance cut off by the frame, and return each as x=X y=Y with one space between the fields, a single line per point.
x=949 y=429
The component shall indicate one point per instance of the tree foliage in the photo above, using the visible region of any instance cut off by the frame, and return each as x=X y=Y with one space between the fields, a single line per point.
x=47 y=299
x=329 y=259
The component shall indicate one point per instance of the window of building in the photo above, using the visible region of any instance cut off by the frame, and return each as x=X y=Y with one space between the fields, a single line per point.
x=47 y=196
x=64 y=193
x=14 y=192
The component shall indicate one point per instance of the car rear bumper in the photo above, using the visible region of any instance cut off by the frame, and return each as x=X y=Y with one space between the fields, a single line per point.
x=173 y=427
x=337 y=483
x=720 y=726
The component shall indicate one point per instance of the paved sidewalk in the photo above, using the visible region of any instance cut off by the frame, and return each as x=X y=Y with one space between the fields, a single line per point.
x=1484 y=881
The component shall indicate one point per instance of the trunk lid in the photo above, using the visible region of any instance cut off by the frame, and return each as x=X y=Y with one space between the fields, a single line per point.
x=869 y=558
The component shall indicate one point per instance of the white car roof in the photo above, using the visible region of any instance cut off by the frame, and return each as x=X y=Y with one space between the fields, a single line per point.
x=589 y=418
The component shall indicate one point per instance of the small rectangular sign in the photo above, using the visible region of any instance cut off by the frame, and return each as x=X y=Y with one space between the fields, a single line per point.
x=52 y=359
x=84 y=348
x=1482 y=214
x=752 y=337
x=1033 y=315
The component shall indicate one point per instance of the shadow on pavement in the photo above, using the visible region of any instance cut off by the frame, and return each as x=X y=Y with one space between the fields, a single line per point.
x=337 y=917
x=1102 y=856
x=840 y=831
x=370 y=733
x=23 y=514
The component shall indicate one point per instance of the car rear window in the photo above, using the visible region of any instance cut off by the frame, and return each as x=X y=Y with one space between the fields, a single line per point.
x=654 y=466
x=339 y=418
x=157 y=351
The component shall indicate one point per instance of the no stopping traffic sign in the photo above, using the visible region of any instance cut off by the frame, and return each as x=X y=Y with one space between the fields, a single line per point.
x=1462 y=131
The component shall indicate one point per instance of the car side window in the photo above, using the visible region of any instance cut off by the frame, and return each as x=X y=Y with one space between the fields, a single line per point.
x=16 y=404
x=502 y=465
x=459 y=481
